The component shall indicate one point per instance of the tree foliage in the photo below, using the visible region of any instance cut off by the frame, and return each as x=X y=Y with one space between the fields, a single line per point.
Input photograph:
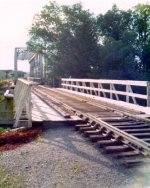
x=68 y=37
x=141 y=14
x=76 y=43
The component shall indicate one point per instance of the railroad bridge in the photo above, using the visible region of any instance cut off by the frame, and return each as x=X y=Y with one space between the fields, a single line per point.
x=113 y=113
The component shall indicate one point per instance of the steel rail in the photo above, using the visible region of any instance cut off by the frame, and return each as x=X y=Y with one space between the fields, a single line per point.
x=91 y=101
x=128 y=139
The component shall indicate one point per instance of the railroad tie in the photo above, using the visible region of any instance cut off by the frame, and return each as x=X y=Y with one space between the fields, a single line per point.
x=137 y=130
x=84 y=125
x=96 y=138
x=92 y=132
x=146 y=140
x=127 y=154
x=117 y=120
x=117 y=149
x=141 y=135
x=104 y=143
x=89 y=128
x=78 y=126
x=132 y=127
x=130 y=123
x=135 y=162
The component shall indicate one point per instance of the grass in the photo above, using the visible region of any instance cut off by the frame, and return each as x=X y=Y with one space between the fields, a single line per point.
x=2 y=130
x=7 y=181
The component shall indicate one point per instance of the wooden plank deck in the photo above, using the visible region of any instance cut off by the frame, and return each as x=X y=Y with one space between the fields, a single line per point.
x=145 y=111
x=42 y=112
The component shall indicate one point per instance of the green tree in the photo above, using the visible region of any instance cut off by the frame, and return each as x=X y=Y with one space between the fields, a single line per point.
x=114 y=23
x=141 y=15
x=118 y=50
x=67 y=36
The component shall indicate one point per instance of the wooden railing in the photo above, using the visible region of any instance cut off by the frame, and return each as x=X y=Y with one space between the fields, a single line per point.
x=120 y=90
x=22 y=103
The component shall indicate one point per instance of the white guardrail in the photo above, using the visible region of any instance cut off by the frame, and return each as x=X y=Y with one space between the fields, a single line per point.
x=112 y=89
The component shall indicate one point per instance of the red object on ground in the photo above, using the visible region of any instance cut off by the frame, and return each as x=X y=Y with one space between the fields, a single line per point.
x=13 y=139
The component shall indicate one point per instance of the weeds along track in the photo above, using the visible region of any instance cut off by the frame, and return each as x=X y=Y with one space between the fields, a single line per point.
x=117 y=132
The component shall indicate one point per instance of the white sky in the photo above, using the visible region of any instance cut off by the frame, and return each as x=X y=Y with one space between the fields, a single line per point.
x=16 y=17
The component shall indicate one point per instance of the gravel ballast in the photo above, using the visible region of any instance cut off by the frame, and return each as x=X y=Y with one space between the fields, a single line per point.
x=63 y=158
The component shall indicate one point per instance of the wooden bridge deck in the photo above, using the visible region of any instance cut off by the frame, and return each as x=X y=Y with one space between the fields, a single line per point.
x=118 y=129
x=44 y=112
x=143 y=111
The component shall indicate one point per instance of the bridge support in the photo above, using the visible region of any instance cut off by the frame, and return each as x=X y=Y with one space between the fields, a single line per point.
x=22 y=104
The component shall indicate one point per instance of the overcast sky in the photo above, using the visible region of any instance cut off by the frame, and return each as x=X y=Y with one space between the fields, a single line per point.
x=16 y=17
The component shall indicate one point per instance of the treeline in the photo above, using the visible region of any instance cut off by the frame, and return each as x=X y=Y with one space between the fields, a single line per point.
x=79 y=44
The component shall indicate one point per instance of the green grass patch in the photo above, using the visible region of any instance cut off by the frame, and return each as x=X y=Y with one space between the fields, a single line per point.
x=2 y=130
x=8 y=181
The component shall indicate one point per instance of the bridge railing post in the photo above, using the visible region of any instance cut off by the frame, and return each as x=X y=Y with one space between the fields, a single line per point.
x=127 y=91
x=22 y=103
x=148 y=94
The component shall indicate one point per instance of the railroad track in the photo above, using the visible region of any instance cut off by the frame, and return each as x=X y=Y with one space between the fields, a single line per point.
x=118 y=133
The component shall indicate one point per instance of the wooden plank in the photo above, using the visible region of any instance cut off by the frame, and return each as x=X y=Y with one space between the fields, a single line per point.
x=107 y=115
x=104 y=143
x=114 y=119
x=135 y=162
x=89 y=128
x=78 y=126
x=115 y=149
x=132 y=127
x=101 y=112
x=146 y=139
x=126 y=124
x=92 y=132
x=96 y=138
x=137 y=130
x=141 y=135
x=127 y=154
